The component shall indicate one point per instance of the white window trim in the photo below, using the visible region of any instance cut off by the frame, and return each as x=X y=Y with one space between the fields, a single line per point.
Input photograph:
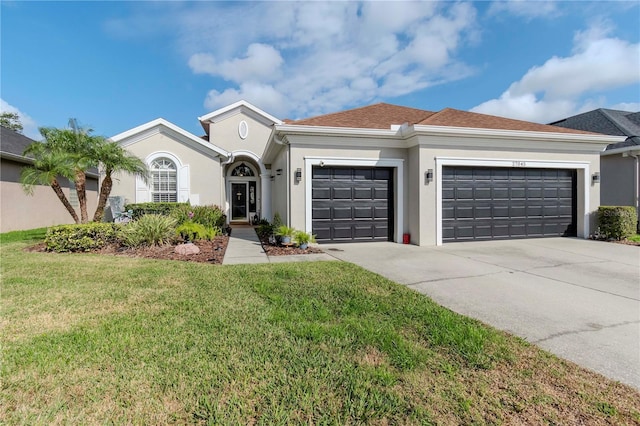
x=180 y=180
x=395 y=163
x=511 y=163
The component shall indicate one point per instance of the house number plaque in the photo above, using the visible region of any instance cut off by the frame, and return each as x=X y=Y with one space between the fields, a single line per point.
x=519 y=164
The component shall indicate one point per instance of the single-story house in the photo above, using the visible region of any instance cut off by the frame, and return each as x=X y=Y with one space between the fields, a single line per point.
x=380 y=172
x=43 y=208
x=619 y=163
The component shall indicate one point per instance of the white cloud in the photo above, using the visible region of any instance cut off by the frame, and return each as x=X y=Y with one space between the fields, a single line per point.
x=261 y=62
x=562 y=85
x=298 y=59
x=627 y=106
x=30 y=127
x=527 y=9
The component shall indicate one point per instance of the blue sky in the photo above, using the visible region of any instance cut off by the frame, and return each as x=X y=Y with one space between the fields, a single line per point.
x=116 y=65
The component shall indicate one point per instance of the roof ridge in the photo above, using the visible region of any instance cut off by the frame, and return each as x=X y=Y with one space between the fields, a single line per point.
x=360 y=108
x=620 y=126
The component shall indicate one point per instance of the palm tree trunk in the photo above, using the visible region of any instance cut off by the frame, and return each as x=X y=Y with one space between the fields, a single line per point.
x=105 y=190
x=81 y=189
x=58 y=190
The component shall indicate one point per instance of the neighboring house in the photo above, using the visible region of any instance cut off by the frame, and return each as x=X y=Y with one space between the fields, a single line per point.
x=21 y=211
x=381 y=172
x=619 y=164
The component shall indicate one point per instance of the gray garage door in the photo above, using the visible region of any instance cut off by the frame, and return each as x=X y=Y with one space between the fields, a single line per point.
x=352 y=204
x=480 y=203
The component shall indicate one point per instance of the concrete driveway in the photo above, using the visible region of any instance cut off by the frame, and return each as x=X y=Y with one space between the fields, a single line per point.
x=578 y=299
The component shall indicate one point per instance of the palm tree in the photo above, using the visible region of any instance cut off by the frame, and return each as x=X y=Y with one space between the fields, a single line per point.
x=77 y=145
x=113 y=158
x=47 y=167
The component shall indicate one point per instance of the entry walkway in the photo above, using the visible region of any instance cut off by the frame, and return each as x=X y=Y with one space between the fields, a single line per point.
x=244 y=247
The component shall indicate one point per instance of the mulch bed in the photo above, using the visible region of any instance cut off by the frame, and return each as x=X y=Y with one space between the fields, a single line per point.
x=210 y=251
x=275 y=250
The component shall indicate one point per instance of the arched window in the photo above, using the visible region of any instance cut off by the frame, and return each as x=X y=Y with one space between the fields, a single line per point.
x=164 y=180
x=242 y=171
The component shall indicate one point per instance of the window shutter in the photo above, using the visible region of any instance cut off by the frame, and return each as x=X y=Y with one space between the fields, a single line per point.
x=142 y=191
x=183 y=184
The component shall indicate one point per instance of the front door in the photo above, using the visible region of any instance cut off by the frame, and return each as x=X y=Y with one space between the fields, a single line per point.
x=239 y=201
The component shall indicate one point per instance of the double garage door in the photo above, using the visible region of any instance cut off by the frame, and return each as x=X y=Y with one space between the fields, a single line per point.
x=480 y=203
x=352 y=204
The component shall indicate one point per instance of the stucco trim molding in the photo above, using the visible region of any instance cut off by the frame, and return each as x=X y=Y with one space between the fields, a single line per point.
x=162 y=126
x=395 y=163
x=237 y=108
x=583 y=184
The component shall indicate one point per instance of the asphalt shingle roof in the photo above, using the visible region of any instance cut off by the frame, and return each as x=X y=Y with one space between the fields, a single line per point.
x=609 y=122
x=376 y=116
x=12 y=142
x=382 y=116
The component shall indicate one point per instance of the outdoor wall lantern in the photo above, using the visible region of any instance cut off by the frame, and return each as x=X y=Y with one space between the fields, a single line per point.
x=298 y=175
x=428 y=176
x=596 y=177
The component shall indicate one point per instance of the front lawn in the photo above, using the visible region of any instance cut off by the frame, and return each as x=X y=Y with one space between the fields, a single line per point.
x=93 y=339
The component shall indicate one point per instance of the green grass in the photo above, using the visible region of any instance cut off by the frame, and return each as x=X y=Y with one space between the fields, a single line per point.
x=635 y=238
x=89 y=339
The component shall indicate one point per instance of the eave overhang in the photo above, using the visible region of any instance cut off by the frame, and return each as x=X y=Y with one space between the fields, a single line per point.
x=162 y=126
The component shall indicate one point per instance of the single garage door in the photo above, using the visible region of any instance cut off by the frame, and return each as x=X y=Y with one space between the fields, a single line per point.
x=352 y=204
x=480 y=203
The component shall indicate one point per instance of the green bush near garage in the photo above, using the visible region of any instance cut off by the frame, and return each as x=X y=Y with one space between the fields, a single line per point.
x=617 y=222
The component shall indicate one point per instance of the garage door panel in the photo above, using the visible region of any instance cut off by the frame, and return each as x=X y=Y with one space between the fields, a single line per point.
x=363 y=193
x=321 y=193
x=321 y=213
x=341 y=213
x=507 y=203
x=363 y=212
x=352 y=204
x=380 y=194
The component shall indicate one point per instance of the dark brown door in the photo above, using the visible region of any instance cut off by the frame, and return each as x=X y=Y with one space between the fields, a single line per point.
x=481 y=203
x=352 y=204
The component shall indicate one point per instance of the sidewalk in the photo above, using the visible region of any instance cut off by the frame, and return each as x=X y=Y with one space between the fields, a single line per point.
x=244 y=247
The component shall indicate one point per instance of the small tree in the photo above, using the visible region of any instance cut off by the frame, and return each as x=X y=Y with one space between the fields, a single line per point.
x=11 y=120
x=47 y=167
x=113 y=158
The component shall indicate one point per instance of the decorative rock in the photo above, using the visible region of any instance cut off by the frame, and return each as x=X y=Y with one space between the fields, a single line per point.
x=187 y=249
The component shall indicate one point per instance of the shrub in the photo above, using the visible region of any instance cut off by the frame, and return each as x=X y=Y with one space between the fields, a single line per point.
x=285 y=231
x=208 y=216
x=191 y=231
x=277 y=221
x=141 y=209
x=80 y=237
x=265 y=230
x=302 y=237
x=150 y=229
x=617 y=222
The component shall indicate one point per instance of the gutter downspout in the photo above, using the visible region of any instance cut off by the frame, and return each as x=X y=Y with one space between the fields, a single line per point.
x=636 y=185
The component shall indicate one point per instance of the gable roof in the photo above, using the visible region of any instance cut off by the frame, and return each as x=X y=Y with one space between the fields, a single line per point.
x=237 y=108
x=455 y=118
x=376 y=116
x=160 y=125
x=609 y=122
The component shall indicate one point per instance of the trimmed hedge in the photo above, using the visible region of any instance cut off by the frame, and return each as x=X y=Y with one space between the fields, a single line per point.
x=140 y=209
x=617 y=222
x=80 y=237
